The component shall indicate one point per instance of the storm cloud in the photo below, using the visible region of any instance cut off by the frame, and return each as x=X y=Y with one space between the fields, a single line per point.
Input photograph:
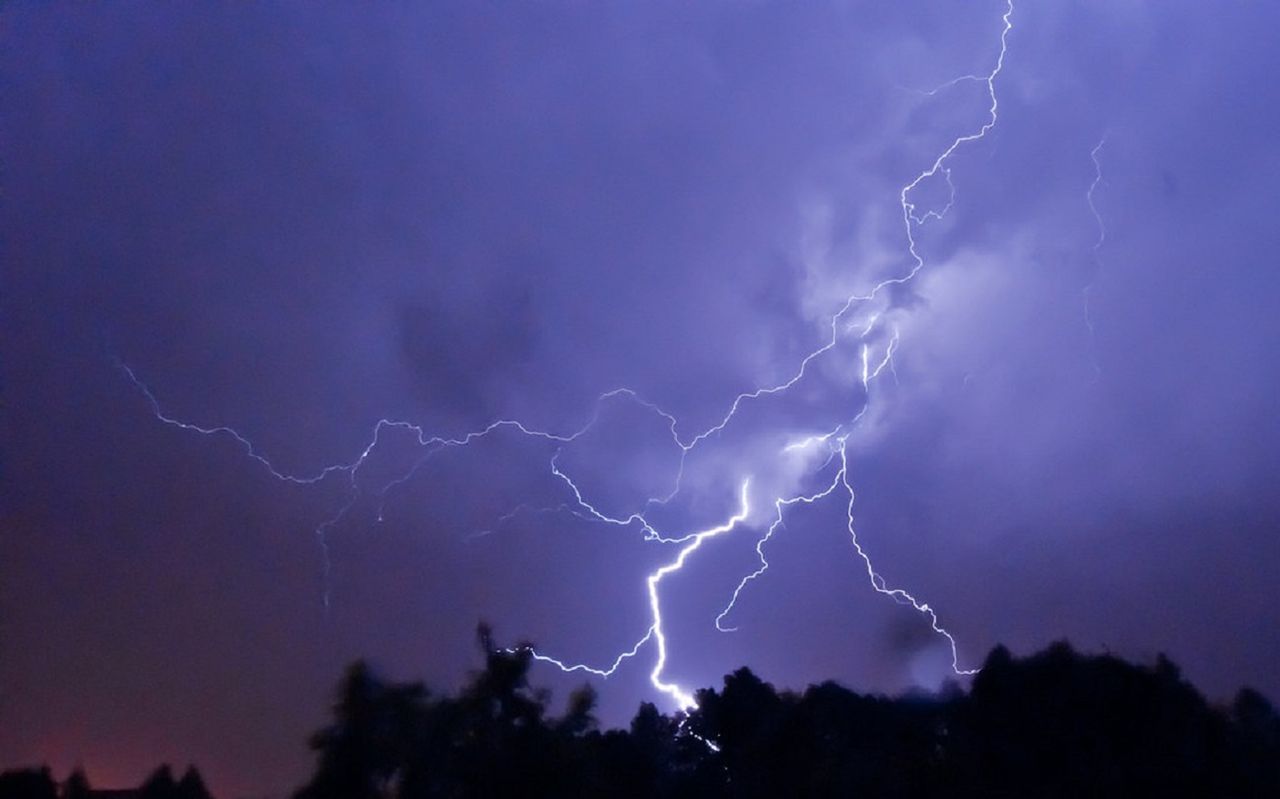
x=298 y=220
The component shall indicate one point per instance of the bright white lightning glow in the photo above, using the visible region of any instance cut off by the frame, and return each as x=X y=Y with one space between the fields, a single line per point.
x=690 y=542
x=682 y=697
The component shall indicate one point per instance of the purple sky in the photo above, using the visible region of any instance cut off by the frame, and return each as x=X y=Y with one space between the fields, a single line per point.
x=296 y=220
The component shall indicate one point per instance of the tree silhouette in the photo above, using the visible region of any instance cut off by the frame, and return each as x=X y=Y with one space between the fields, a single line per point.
x=76 y=786
x=28 y=783
x=361 y=751
x=191 y=786
x=160 y=785
x=493 y=739
x=1054 y=724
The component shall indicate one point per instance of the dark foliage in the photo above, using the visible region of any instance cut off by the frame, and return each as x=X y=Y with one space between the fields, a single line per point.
x=28 y=783
x=162 y=785
x=1056 y=724
x=77 y=786
x=39 y=784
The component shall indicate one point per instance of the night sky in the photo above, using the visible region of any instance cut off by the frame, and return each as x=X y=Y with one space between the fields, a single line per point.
x=294 y=220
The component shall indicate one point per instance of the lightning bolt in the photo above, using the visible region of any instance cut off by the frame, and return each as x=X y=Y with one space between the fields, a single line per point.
x=682 y=697
x=779 y=504
x=1094 y=155
x=836 y=440
x=911 y=221
x=693 y=541
x=1087 y=292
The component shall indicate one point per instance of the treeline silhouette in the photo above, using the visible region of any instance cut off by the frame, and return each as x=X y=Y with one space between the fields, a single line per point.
x=1054 y=724
x=38 y=783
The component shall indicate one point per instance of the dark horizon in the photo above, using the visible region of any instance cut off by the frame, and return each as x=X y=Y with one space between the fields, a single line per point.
x=836 y=341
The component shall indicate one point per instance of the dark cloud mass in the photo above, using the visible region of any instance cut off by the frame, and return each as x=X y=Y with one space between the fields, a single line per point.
x=296 y=220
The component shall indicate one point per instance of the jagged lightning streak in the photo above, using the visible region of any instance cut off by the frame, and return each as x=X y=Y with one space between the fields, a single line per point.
x=432 y=443
x=911 y=221
x=1094 y=155
x=909 y=217
x=569 y=668
x=682 y=697
x=248 y=446
x=350 y=469
x=878 y=582
x=691 y=542
x=778 y=504
x=1087 y=292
